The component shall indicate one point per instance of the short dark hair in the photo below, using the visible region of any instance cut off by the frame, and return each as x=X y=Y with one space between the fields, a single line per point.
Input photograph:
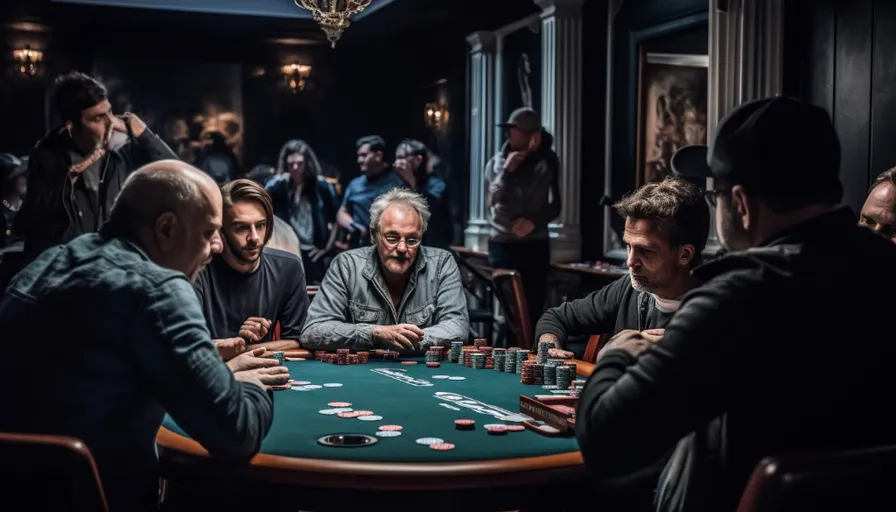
x=375 y=141
x=75 y=92
x=888 y=176
x=241 y=190
x=676 y=206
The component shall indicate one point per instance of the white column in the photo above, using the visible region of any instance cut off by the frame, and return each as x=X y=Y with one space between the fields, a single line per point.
x=561 y=105
x=482 y=129
x=746 y=52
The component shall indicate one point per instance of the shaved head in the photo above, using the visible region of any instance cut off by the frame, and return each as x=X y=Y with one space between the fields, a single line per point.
x=174 y=210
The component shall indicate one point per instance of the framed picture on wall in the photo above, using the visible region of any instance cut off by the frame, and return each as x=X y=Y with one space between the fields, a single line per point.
x=672 y=96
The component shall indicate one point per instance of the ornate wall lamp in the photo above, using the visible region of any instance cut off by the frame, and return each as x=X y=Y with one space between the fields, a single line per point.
x=296 y=76
x=28 y=60
x=436 y=116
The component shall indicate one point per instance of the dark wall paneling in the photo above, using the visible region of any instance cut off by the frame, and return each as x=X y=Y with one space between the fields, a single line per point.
x=883 y=89
x=524 y=41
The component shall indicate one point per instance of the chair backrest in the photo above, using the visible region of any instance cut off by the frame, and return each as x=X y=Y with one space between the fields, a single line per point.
x=512 y=296
x=61 y=468
x=846 y=480
x=591 y=349
x=312 y=291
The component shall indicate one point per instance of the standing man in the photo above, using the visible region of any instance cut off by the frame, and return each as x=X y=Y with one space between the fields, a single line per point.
x=74 y=177
x=135 y=345
x=377 y=177
x=523 y=182
x=249 y=288
x=759 y=359
x=879 y=210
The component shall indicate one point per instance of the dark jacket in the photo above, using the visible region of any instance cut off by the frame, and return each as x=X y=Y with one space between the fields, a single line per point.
x=785 y=349
x=50 y=214
x=322 y=196
x=611 y=309
x=532 y=191
x=133 y=346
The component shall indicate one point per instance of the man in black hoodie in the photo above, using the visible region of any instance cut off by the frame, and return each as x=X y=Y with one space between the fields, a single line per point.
x=73 y=174
x=770 y=356
x=523 y=182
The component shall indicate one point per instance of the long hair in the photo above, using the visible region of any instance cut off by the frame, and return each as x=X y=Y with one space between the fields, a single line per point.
x=312 y=164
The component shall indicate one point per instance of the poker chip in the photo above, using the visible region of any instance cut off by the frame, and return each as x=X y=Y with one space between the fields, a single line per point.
x=388 y=433
x=365 y=413
x=426 y=441
x=311 y=387
x=464 y=424
x=339 y=404
x=301 y=388
x=330 y=412
x=372 y=417
x=294 y=359
x=441 y=447
x=440 y=377
x=408 y=362
x=550 y=386
x=332 y=385
x=348 y=414
x=515 y=428
x=493 y=425
x=457 y=378
x=391 y=428
x=300 y=382
x=498 y=430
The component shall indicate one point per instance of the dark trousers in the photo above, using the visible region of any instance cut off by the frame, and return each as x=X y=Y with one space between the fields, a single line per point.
x=314 y=271
x=533 y=261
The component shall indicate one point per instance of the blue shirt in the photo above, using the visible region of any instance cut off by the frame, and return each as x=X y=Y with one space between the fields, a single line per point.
x=363 y=190
x=118 y=341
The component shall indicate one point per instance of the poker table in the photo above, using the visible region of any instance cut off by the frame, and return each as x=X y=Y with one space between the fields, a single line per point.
x=482 y=472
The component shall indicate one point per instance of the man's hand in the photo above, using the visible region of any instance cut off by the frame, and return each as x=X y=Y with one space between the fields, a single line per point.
x=401 y=336
x=316 y=254
x=557 y=353
x=251 y=360
x=137 y=124
x=514 y=159
x=635 y=342
x=254 y=329
x=275 y=378
x=522 y=227
x=230 y=347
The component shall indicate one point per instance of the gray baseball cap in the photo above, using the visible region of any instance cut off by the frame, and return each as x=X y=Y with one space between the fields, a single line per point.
x=523 y=118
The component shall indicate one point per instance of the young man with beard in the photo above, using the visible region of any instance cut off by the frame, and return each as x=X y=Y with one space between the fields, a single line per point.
x=397 y=295
x=73 y=174
x=779 y=351
x=666 y=226
x=247 y=289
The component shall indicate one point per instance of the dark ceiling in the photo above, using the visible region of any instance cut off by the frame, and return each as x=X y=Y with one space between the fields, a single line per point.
x=269 y=8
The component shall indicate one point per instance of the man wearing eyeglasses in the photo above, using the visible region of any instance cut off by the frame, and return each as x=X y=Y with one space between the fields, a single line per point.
x=397 y=294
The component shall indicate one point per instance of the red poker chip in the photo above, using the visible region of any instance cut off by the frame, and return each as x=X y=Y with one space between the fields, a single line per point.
x=442 y=447
x=390 y=428
x=464 y=422
x=515 y=428
x=409 y=362
x=364 y=413
x=339 y=404
x=497 y=431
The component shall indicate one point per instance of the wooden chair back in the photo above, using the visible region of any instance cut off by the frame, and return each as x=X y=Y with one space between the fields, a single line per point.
x=61 y=469
x=512 y=296
x=591 y=349
x=846 y=480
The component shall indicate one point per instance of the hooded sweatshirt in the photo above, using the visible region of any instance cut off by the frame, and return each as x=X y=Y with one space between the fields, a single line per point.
x=532 y=191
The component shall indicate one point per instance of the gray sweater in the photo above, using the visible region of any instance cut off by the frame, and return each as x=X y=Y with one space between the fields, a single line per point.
x=532 y=191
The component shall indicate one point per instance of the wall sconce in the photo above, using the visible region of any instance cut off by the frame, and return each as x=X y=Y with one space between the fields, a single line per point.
x=436 y=116
x=28 y=60
x=295 y=75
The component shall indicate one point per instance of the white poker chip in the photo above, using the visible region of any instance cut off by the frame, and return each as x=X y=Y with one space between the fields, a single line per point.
x=457 y=378
x=390 y=433
x=341 y=409
x=372 y=417
x=440 y=377
x=332 y=385
x=426 y=441
x=492 y=425
x=329 y=412
x=312 y=386
x=301 y=382
x=561 y=391
x=300 y=388
x=549 y=386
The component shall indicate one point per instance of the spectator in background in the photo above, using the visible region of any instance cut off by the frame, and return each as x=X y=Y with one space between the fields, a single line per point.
x=217 y=159
x=261 y=173
x=14 y=187
x=879 y=210
x=304 y=199
x=413 y=164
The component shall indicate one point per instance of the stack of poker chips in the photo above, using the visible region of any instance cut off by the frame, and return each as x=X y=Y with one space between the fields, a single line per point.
x=522 y=356
x=565 y=376
x=457 y=348
x=539 y=373
x=500 y=356
x=572 y=365
x=510 y=361
x=480 y=342
x=353 y=359
x=468 y=351
x=319 y=354
x=477 y=360
x=363 y=357
x=279 y=357
x=439 y=350
x=543 y=348
x=342 y=355
x=527 y=372
x=433 y=358
x=550 y=373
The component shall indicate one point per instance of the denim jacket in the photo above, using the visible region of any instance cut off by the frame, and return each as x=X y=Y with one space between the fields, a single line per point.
x=353 y=299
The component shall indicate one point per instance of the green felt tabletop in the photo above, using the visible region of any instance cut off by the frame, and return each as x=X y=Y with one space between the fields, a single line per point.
x=418 y=408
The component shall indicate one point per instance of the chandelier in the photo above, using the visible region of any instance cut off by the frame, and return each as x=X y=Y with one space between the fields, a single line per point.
x=333 y=15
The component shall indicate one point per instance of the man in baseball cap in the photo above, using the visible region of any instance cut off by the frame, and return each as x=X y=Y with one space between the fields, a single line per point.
x=744 y=368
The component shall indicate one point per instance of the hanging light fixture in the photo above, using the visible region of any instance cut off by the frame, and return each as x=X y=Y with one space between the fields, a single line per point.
x=28 y=60
x=295 y=75
x=333 y=15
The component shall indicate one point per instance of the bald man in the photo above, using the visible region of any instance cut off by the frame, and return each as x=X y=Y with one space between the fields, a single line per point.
x=121 y=340
x=879 y=210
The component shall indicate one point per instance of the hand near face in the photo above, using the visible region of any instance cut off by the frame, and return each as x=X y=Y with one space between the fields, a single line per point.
x=401 y=336
x=254 y=329
x=635 y=342
x=137 y=124
x=522 y=227
x=230 y=347
x=514 y=159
